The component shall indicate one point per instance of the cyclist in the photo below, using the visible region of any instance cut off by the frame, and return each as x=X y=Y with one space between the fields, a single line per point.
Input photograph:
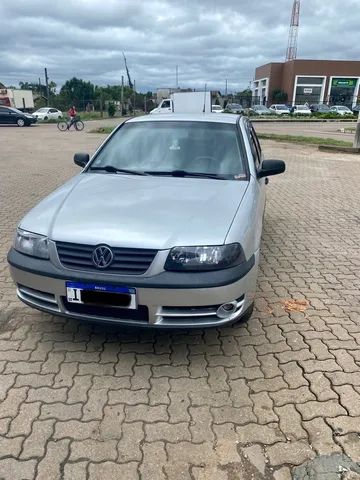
x=72 y=115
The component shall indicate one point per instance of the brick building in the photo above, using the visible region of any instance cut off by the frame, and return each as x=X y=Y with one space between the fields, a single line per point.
x=313 y=81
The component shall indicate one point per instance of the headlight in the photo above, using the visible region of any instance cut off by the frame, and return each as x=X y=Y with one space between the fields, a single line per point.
x=31 y=244
x=204 y=258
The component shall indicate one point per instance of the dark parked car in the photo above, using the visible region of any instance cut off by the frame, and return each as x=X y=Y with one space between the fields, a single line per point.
x=320 y=108
x=13 y=116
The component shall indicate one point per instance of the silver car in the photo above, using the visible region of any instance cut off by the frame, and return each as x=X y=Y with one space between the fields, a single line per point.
x=162 y=227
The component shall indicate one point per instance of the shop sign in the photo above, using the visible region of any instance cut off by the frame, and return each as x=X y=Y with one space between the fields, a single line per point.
x=344 y=82
x=308 y=91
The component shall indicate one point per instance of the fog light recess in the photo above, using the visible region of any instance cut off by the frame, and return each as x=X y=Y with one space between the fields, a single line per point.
x=226 y=309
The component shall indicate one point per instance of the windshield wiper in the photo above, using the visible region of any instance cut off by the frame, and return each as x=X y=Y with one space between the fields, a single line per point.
x=185 y=173
x=111 y=169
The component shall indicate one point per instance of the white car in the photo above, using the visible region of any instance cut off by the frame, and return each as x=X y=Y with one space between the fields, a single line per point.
x=341 y=110
x=301 y=110
x=47 y=113
x=280 y=109
x=216 y=109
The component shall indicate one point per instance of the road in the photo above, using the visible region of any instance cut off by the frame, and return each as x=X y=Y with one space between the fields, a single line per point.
x=252 y=401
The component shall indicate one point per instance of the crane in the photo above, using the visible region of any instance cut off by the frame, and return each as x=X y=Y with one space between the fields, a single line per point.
x=291 y=51
x=127 y=72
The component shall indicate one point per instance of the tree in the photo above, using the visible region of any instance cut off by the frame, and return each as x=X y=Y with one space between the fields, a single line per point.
x=279 y=95
x=78 y=92
x=111 y=109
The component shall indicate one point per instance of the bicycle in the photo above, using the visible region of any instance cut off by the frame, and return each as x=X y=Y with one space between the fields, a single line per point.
x=63 y=125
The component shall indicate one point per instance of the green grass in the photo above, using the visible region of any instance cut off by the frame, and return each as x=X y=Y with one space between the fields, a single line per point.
x=104 y=130
x=304 y=140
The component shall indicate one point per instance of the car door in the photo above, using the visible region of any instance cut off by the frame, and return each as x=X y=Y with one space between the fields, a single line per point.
x=259 y=184
x=5 y=115
x=53 y=113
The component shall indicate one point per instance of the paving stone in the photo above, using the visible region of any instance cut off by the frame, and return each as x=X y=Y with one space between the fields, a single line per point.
x=163 y=431
x=129 y=447
x=351 y=445
x=290 y=423
x=154 y=458
x=35 y=444
x=111 y=470
x=254 y=433
x=310 y=410
x=293 y=375
x=297 y=395
x=239 y=416
x=76 y=430
x=50 y=465
x=93 y=449
x=320 y=436
x=60 y=411
x=76 y=470
x=21 y=424
x=264 y=408
x=12 y=469
x=292 y=453
x=10 y=447
x=321 y=386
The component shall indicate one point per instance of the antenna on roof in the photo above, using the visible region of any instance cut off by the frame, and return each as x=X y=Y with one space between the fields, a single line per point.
x=204 y=99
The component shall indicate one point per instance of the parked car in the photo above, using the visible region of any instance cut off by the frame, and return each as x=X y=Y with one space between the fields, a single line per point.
x=320 y=108
x=356 y=109
x=47 y=113
x=9 y=115
x=168 y=216
x=234 y=108
x=300 y=110
x=280 y=109
x=261 y=110
x=341 y=110
x=217 y=109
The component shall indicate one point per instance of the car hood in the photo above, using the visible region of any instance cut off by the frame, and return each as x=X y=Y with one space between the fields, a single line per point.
x=138 y=211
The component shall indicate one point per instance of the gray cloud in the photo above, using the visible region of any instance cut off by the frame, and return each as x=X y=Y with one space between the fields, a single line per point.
x=210 y=40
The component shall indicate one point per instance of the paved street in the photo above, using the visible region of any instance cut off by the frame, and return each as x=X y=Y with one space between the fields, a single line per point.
x=251 y=401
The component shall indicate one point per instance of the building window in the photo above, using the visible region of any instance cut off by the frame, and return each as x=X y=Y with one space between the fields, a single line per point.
x=343 y=91
x=310 y=80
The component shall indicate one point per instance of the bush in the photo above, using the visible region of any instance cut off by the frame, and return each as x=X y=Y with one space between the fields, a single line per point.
x=111 y=109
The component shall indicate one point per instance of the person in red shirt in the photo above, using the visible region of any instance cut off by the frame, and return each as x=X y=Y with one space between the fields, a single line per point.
x=72 y=115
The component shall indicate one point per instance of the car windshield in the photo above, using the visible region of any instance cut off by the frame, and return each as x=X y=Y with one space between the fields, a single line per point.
x=216 y=107
x=42 y=110
x=343 y=108
x=174 y=146
x=235 y=105
x=281 y=107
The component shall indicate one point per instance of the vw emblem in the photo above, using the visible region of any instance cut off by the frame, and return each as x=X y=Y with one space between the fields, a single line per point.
x=102 y=257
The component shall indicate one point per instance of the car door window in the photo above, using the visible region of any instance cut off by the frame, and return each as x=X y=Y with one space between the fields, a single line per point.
x=255 y=147
x=166 y=104
x=52 y=110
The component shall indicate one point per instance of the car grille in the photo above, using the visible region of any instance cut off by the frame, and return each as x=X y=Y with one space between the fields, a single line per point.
x=127 y=261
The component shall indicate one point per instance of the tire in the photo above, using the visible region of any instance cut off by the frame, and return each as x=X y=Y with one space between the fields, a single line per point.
x=62 y=126
x=79 y=126
x=20 y=122
x=46 y=118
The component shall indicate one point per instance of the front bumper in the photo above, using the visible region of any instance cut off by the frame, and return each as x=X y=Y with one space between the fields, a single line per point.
x=169 y=300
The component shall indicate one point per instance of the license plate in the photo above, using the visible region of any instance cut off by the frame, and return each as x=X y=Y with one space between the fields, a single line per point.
x=98 y=294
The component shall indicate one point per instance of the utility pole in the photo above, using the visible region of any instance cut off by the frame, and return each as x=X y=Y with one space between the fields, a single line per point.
x=357 y=134
x=225 y=87
x=122 y=95
x=177 y=77
x=134 y=99
x=47 y=87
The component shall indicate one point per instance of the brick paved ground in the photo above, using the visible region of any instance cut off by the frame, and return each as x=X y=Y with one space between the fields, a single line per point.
x=250 y=401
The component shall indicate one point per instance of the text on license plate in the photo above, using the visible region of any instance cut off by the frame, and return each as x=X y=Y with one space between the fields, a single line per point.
x=98 y=294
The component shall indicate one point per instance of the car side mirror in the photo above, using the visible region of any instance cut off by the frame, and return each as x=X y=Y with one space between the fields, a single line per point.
x=81 y=159
x=271 y=167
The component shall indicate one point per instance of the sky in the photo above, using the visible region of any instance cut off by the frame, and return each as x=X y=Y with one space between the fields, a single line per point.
x=211 y=41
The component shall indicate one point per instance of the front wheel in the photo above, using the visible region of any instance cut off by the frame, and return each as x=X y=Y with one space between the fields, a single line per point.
x=79 y=126
x=20 y=122
x=62 y=126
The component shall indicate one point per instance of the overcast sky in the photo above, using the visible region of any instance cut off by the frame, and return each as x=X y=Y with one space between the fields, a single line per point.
x=210 y=40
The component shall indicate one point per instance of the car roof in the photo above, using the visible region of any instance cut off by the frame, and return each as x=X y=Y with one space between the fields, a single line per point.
x=189 y=117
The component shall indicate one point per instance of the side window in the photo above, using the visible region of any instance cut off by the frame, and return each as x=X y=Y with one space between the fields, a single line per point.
x=255 y=147
x=166 y=104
